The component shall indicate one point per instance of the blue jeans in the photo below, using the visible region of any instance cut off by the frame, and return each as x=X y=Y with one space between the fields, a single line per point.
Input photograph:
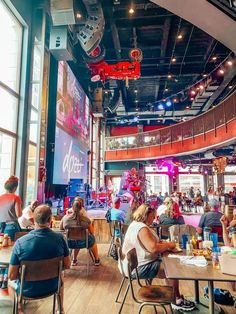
x=10 y=229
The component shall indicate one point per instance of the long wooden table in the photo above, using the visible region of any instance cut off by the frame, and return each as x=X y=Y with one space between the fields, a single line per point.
x=176 y=270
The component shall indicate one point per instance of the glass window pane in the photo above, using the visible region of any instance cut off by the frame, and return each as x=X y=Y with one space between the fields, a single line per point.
x=35 y=95
x=7 y=148
x=33 y=136
x=10 y=38
x=31 y=175
x=8 y=111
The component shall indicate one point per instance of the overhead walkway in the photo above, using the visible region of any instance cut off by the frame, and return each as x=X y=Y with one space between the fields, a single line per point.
x=215 y=128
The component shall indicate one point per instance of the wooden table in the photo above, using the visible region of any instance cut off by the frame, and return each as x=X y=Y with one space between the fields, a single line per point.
x=5 y=255
x=175 y=270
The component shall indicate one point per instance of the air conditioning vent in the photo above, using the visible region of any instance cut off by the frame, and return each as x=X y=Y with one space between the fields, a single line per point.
x=62 y=12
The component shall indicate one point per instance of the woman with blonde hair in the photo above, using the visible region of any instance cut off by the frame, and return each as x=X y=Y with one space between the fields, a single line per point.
x=73 y=219
x=148 y=248
x=171 y=214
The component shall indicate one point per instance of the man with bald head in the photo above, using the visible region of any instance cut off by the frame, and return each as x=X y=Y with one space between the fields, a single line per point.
x=41 y=243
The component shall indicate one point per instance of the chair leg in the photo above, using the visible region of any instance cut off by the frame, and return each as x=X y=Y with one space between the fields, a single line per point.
x=120 y=288
x=54 y=304
x=111 y=243
x=171 y=310
x=141 y=307
x=123 y=302
x=59 y=303
x=155 y=309
x=15 y=305
x=164 y=308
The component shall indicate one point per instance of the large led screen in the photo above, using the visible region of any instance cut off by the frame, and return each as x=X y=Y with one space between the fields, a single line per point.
x=72 y=128
x=72 y=105
x=70 y=159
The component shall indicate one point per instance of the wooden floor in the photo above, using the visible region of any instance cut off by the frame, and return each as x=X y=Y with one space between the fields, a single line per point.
x=95 y=293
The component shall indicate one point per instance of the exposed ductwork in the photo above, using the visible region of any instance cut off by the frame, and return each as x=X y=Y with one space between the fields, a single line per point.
x=91 y=33
x=62 y=12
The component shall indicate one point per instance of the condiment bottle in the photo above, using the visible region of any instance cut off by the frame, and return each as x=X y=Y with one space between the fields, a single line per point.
x=189 y=248
x=194 y=242
x=199 y=242
x=5 y=240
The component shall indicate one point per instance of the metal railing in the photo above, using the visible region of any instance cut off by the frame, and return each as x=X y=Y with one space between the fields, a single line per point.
x=208 y=121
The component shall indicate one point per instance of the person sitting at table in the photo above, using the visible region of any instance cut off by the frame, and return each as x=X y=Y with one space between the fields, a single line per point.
x=171 y=214
x=83 y=211
x=41 y=243
x=229 y=235
x=117 y=214
x=26 y=220
x=76 y=219
x=211 y=218
x=148 y=248
x=10 y=208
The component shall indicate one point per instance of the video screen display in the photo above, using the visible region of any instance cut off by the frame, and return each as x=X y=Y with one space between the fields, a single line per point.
x=72 y=105
x=70 y=159
x=72 y=128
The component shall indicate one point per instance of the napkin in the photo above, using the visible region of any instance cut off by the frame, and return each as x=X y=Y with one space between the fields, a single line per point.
x=199 y=261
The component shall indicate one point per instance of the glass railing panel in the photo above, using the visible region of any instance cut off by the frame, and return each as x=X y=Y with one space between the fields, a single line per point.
x=209 y=121
x=198 y=127
x=165 y=136
x=187 y=128
x=177 y=133
x=219 y=116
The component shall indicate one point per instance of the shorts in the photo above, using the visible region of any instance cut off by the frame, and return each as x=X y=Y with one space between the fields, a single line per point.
x=81 y=244
x=149 y=270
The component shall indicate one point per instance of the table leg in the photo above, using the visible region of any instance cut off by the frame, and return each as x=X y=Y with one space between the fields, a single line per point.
x=196 y=289
x=211 y=296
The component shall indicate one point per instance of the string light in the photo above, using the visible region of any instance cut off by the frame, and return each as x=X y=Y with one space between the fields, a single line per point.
x=173 y=60
x=214 y=58
x=193 y=89
x=180 y=36
x=131 y=11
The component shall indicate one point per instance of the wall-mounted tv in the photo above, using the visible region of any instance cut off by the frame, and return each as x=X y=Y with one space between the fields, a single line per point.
x=72 y=128
x=72 y=105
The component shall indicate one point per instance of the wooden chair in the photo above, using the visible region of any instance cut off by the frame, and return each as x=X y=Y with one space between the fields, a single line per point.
x=152 y=295
x=164 y=231
x=20 y=234
x=31 y=271
x=80 y=233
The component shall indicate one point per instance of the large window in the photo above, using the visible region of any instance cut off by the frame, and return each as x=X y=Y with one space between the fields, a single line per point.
x=11 y=38
x=188 y=180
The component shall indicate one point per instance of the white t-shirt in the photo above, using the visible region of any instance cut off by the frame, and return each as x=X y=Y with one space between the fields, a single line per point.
x=24 y=220
x=131 y=241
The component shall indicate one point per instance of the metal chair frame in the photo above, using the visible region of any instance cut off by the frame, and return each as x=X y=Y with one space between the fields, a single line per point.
x=80 y=233
x=132 y=266
x=39 y=270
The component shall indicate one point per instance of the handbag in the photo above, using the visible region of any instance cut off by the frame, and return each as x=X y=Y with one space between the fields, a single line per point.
x=221 y=296
x=114 y=252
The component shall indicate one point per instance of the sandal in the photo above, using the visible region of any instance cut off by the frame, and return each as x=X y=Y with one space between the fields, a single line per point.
x=74 y=263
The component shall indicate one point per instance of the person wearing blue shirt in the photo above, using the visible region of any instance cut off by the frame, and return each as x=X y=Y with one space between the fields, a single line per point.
x=117 y=214
x=41 y=243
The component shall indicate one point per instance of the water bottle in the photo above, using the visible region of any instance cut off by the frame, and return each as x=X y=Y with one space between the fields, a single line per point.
x=206 y=233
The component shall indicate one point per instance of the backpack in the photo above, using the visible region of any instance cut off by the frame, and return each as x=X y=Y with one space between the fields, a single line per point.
x=221 y=296
x=108 y=215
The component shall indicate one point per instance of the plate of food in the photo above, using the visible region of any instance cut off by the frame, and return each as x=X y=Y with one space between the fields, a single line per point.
x=207 y=253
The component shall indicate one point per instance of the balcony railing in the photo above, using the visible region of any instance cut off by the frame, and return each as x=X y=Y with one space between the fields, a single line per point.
x=201 y=125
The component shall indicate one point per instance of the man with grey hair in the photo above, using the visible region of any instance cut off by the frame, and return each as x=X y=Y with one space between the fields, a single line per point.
x=41 y=243
x=211 y=218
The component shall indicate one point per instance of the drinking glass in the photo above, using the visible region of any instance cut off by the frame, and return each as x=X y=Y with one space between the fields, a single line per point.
x=175 y=239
